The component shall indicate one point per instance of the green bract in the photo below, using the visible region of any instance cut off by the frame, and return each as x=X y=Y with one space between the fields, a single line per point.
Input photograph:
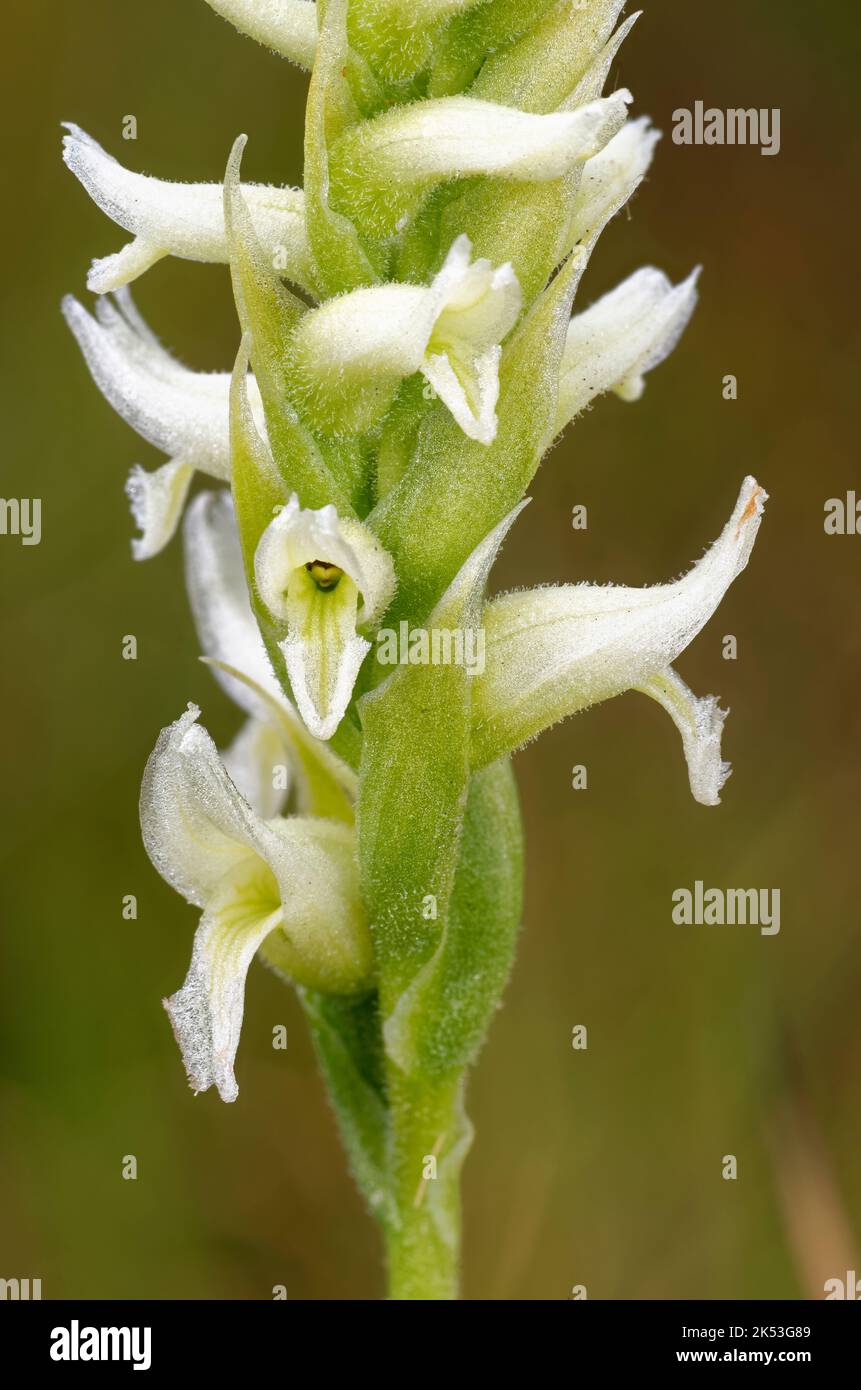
x=406 y=356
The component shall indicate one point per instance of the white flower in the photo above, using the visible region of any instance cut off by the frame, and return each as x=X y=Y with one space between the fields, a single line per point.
x=322 y=577
x=622 y=337
x=554 y=651
x=287 y=26
x=292 y=884
x=231 y=641
x=181 y=412
x=381 y=169
x=182 y=219
x=350 y=354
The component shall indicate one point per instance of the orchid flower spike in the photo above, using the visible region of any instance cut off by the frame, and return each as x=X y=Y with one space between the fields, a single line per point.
x=292 y=884
x=181 y=412
x=322 y=578
x=554 y=651
x=349 y=355
x=182 y=219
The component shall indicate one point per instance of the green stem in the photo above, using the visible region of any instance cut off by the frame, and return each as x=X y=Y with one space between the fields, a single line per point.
x=429 y=1136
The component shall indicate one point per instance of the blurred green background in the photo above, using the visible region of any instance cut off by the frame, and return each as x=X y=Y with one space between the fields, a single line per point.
x=600 y=1167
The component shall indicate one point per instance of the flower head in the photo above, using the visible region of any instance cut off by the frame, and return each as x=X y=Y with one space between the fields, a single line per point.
x=349 y=356
x=554 y=651
x=290 y=883
x=180 y=219
x=322 y=578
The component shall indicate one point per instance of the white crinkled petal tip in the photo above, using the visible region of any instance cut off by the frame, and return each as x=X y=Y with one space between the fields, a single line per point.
x=612 y=345
x=184 y=413
x=181 y=412
x=181 y=219
x=206 y=1013
x=156 y=501
x=323 y=661
x=700 y=722
x=554 y=651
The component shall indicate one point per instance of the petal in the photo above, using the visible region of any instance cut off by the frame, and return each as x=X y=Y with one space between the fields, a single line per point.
x=196 y=825
x=181 y=412
x=622 y=337
x=348 y=356
x=305 y=907
x=287 y=26
x=252 y=761
x=298 y=536
x=157 y=500
x=206 y=1013
x=479 y=307
x=182 y=219
x=479 y=303
x=381 y=168
x=323 y=652
x=184 y=413
x=218 y=593
x=554 y=651
x=700 y=723
x=613 y=176
x=469 y=387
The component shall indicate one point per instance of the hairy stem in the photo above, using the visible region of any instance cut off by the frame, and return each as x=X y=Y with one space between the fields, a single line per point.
x=429 y=1136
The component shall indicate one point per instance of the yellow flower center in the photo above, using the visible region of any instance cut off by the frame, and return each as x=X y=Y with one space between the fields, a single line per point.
x=324 y=575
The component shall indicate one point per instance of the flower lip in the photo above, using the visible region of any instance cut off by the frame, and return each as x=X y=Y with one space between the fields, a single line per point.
x=323 y=577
